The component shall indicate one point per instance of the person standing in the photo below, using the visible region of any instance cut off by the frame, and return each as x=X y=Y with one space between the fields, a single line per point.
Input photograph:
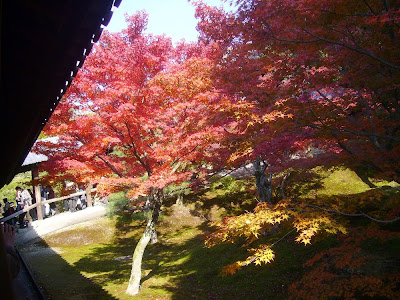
x=51 y=195
x=7 y=211
x=73 y=203
x=44 y=194
x=66 y=204
x=33 y=212
x=26 y=197
x=71 y=187
x=20 y=206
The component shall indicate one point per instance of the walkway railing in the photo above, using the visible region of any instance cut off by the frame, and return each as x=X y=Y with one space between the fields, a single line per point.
x=38 y=204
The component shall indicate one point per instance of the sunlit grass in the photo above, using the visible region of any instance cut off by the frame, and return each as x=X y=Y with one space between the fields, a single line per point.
x=178 y=267
x=93 y=260
x=342 y=182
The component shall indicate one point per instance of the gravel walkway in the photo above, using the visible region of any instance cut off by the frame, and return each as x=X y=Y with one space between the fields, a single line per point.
x=59 y=221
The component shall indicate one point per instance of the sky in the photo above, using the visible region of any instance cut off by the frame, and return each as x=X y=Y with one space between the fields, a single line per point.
x=174 y=18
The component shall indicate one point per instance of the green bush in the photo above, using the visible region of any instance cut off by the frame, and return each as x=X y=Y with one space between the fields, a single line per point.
x=118 y=207
x=117 y=204
x=228 y=184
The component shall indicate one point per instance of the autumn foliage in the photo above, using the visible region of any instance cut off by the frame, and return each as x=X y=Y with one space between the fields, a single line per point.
x=321 y=79
x=297 y=84
x=344 y=271
x=136 y=116
x=320 y=74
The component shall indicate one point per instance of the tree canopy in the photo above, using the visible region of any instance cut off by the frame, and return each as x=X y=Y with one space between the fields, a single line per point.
x=330 y=70
x=321 y=79
x=288 y=85
x=138 y=118
x=139 y=108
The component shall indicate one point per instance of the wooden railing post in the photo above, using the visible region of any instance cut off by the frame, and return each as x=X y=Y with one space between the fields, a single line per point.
x=36 y=190
x=89 y=195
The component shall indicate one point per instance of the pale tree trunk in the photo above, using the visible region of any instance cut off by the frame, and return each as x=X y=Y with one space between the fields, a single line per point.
x=179 y=199
x=154 y=204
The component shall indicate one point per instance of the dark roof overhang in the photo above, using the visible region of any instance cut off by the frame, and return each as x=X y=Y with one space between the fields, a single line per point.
x=43 y=44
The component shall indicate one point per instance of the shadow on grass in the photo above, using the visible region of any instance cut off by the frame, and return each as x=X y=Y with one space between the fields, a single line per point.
x=227 y=194
x=180 y=267
x=56 y=277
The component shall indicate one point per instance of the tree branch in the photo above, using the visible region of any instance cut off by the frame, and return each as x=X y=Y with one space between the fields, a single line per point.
x=369 y=6
x=361 y=214
x=368 y=110
x=109 y=165
x=359 y=50
x=135 y=153
x=273 y=244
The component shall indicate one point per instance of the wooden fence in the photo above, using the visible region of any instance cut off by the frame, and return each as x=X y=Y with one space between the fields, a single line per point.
x=38 y=204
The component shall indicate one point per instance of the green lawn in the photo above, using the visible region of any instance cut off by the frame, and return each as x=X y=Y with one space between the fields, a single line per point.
x=178 y=267
x=90 y=260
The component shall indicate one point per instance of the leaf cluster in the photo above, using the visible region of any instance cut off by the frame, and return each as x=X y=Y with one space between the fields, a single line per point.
x=345 y=271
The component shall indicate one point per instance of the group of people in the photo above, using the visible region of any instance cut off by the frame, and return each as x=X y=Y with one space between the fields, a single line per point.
x=77 y=202
x=25 y=198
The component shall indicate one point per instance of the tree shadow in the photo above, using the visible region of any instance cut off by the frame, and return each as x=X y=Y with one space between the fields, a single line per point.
x=182 y=268
x=228 y=194
x=57 y=278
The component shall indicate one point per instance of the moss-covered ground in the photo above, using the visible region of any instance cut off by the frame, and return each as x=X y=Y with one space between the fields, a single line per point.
x=92 y=260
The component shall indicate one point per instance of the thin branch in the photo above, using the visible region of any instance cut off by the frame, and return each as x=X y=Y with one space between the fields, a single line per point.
x=145 y=165
x=381 y=221
x=359 y=50
x=273 y=244
x=342 y=144
x=289 y=41
x=351 y=119
x=362 y=214
x=362 y=15
x=110 y=165
x=185 y=154
x=367 y=134
x=335 y=211
x=208 y=177
x=369 y=6
x=371 y=121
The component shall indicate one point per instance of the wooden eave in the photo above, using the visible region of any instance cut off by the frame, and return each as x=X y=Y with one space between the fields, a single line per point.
x=43 y=45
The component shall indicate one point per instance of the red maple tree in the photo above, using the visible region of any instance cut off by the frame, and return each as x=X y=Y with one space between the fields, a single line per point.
x=329 y=69
x=136 y=118
x=321 y=83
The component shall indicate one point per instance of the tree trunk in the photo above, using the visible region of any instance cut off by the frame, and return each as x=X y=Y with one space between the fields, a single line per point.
x=263 y=184
x=179 y=199
x=155 y=201
x=136 y=272
x=362 y=173
x=282 y=185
